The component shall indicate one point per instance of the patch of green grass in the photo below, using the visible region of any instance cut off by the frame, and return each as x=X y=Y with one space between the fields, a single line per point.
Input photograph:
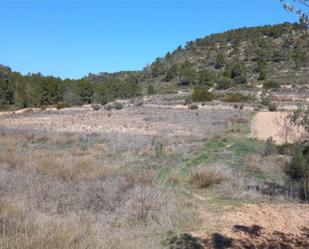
x=230 y=149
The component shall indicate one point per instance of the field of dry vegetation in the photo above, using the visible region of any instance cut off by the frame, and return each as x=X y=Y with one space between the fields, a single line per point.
x=130 y=178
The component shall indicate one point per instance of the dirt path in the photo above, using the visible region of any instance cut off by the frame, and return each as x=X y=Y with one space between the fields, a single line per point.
x=273 y=124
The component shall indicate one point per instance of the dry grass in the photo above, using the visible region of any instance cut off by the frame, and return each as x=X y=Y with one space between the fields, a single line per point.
x=92 y=180
x=252 y=163
x=204 y=177
x=68 y=195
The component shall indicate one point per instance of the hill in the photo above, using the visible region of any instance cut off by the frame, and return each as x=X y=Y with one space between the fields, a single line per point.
x=269 y=55
x=246 y=55
x=4 y=71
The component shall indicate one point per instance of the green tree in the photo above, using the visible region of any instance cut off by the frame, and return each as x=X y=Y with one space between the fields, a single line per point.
x=220 y=60
x=6 y=92
x=271 y=84
x=201 y=94
x=157 y=68
x=22 y=98
x=277 y=56
x=207 y=77
x=171 y=73
x=262 y=69
x=151 y=90
x=84 y=90
x=238 y=73
x=227 y=73
x=188 y=73
x=46 y=91
x=298 y=169
x=224 y=83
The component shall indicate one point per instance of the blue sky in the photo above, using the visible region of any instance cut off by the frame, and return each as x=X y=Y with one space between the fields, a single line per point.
x=71 y=38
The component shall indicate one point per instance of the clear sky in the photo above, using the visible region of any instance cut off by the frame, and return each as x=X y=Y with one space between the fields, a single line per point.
x=72 y=38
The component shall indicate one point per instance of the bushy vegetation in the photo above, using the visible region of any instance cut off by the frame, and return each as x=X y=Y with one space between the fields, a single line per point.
x=236 y=97
x=36 y=90
x=271 y=84
x=193 y=107
x=246 y=55
x=151 y=90
x=204 y=177
x=224 y=83
x=202 y=94
x=298 y=169
x=267 y=102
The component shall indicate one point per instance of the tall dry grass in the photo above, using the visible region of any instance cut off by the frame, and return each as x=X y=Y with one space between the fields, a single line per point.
x=70 y=192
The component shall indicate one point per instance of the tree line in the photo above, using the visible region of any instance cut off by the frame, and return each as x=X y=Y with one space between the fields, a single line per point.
x=36 y=90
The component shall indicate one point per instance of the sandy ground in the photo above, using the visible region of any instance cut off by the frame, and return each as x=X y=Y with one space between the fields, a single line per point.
x=149 y=119
x=286 y=218
x=274 y=124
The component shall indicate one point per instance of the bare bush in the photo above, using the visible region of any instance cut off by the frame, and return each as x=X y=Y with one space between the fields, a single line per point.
x=204 y=177
x=253 y=163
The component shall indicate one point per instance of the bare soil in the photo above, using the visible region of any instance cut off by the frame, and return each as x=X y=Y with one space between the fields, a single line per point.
x=258 y=226
x=275 y=124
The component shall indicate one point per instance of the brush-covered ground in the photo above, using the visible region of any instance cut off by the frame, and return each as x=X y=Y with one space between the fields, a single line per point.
x=155 y=174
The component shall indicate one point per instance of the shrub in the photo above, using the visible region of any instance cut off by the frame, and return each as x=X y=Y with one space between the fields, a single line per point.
x=29 y=110
x=201 y=94
x=265 y=101
x=299 y=166
x=151 y=90
x=269 y=104
x=271 y=84
x=118 y=106
x=262 y=74
x=207 y=77
x=270 y=147
x=224 y=83
x=96 y=107
x=298 y=169
x=285 y=149
x=204 y=177
x=252 y=163
x=188 y=100
x=108 y=107
x=139 y=103
x=61 y=105
x=238 y=73
x=242 y=79
x=272 y=107
x=158 y=145
x=236 y=97
x=193 y=107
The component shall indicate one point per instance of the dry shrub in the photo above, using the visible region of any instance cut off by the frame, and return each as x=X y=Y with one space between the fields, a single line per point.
x=279 y=160
x=40 y=137
x=28 y=230
x=68 y=167
x=204 y=177
x=173 y=176
x=146 y=177
x=29 y=110
x=252 y=163
x=9 y=158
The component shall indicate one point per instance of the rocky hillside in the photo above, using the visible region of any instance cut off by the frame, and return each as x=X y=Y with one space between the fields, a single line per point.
x=247 y=55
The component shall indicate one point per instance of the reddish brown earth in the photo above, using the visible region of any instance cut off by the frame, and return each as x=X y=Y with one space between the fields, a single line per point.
x=256 y=226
